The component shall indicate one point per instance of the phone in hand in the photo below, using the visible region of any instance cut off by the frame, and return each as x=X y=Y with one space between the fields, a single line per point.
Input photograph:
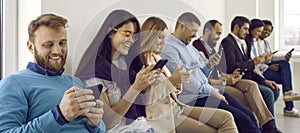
x=220 y=51
x=275 y=52
x=242 y=71
x=291 y=50
x=160 y=64
x=97 y=89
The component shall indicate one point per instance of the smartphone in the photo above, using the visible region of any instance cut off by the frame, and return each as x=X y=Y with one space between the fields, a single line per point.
x=243 y=70
x=291 y=50
x=275 y=52
x=160 y=64
x=220 y=51
x=97 y=89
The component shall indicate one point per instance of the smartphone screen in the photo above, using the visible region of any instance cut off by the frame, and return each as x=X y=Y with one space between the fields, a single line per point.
x=160 y=64
x=97 y=89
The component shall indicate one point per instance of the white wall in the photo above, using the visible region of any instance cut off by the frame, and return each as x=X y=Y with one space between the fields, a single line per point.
x=28 y=10
x=78 y=16
x=210 y=9
x=261 y=9
x=234 y=8
x=10 y=38
x=84 y=21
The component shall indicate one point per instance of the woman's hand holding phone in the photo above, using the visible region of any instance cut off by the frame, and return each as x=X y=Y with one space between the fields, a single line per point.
x=160 y=64
x=145 y=77
x=288 y=55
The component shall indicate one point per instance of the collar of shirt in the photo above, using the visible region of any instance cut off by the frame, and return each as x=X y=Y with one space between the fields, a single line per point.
x=241 y=43
x=177 y=41
x=262 y=47
x=255 y=40
x=120 y=63
x=38 y=69
x=261 y=42
x=206 y=46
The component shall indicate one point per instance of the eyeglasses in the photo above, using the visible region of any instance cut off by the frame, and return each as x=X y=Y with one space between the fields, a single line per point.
x=127 y=34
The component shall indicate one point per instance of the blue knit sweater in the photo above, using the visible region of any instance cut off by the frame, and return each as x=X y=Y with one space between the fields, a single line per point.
x=27 y=101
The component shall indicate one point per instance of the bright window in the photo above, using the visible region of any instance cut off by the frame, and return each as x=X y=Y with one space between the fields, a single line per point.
x=290 y=24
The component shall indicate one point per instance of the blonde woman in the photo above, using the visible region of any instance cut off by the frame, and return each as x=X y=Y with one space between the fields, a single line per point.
x=162 y=106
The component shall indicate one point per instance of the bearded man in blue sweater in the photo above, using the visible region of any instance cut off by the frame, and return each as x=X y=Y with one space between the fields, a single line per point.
x=41 y=98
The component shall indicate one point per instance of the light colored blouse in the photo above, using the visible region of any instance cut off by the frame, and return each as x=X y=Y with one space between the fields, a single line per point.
x=111 y=88
x=163 y=106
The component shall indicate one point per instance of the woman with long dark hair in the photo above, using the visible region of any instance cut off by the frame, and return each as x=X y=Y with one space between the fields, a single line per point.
x=106 y=62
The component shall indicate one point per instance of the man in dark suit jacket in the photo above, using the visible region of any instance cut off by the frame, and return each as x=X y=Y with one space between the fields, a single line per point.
x=234 y=46
x=244 y=90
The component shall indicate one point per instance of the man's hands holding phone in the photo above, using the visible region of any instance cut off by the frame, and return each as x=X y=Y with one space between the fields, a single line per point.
x=214 y=60
x=234 y=77
x=81 y=102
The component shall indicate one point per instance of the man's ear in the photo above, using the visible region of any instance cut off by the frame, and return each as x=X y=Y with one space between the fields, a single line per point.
x=207 y=31
x=30 y=46
x=236 y=27
x=181 y=27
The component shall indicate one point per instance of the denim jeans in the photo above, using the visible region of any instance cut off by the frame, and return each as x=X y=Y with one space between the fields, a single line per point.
x=283 y=76
x=243 y=118
x=270 y=96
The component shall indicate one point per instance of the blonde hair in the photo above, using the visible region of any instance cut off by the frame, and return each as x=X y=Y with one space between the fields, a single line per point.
x=151 y=30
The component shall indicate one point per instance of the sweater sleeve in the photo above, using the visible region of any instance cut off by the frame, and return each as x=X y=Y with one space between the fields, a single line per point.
x=14 y=110
x=100 y=128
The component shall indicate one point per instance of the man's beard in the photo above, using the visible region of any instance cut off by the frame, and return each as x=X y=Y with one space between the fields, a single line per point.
x=241 y=36
x=211 y=42
x=45 y=62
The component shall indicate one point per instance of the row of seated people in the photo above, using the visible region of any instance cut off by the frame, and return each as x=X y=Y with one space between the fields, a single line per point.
x=196 y=92
x=175 y=98
x=266 y=65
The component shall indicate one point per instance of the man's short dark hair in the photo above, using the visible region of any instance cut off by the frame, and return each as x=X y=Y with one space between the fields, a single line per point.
x=187 y=17
x=210 y=25
x=239 y=20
